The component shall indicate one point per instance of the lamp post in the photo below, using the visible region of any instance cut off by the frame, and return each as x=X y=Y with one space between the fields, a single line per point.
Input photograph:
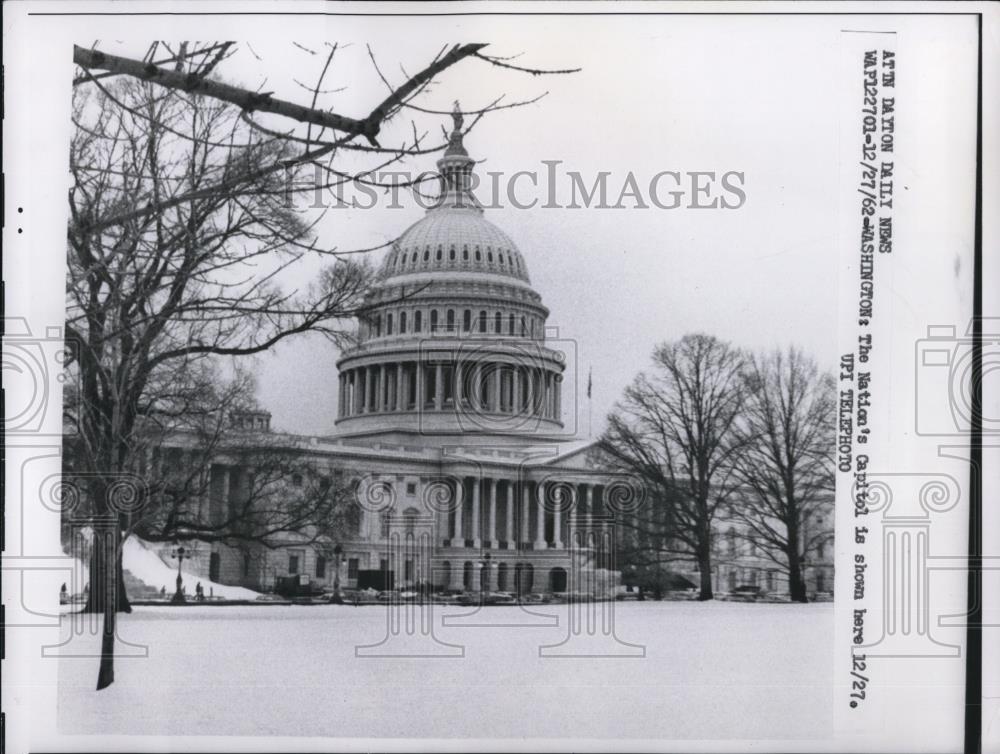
x=179 y=553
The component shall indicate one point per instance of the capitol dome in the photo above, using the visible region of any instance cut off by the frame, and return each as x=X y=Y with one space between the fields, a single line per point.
x=455 y=238
x=452 y=338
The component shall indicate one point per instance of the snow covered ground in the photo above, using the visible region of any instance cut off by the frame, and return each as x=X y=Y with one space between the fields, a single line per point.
x=141 y=560
x=724 y=670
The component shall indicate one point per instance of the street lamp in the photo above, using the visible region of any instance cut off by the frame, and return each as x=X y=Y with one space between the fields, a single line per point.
x=179 y=553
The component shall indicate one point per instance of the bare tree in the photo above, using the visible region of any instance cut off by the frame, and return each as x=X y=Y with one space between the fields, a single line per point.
x=675 y=428
x=181 y=236
x=785 y=465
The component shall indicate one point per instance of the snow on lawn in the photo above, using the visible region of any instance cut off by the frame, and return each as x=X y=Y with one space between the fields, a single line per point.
x=141 y=560
x=723 y=670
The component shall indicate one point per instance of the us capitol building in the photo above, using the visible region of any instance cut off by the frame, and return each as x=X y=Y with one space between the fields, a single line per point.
x=450 y=409
x=449 y=417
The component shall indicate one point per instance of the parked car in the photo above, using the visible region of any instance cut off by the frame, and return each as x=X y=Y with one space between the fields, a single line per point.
x=500 y=598
x=745 y=593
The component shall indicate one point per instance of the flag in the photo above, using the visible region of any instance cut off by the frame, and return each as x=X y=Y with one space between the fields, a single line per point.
x=590 y=381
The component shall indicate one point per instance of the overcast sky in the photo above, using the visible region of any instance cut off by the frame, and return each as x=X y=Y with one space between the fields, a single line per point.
x=677 y=93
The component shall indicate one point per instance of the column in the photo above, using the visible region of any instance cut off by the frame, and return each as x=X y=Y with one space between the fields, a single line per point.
x=588 y=507
x=458 y=539
x=477 y=387
x=509 y=533
x=476 y=531
x=525 y=513
x=557 y=525
x=557 y=397
x=515 y=389
x=497 y=387
x=400 y=387
x=438 y=387
x=419 y=403
x=340 y=396
x=458 y=383
x=491 y=534
x=381 y=401
x=539 y=496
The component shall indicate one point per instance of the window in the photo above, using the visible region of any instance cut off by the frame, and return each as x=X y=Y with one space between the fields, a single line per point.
x=465 y=253
x=524 y=327
x=296 y=480
x=451 y=254
x=388 y=324
x=320 y=567
x=466 y=320
x=498 y=323
x=383 y=565
x=294 y=562
x=434 y=320
x=510 y=324
x=450 y=320
x=378 y=326
x=439 y=254
x=411 y=488
x=821 y=550
x=731 y=541
x=482 y=321
x=479 y=256
x=418 y=321
x=427 y=254
x=489 y=257
x=402 y=323
x=408 y=571
x=352 y=568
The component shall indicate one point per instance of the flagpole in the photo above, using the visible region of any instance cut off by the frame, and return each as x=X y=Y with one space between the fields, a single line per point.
x=590 y=404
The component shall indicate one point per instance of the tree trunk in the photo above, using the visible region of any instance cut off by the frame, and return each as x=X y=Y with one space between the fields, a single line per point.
x=705 y=570
x=97 y=594
x=796 y=580
x=106 y=542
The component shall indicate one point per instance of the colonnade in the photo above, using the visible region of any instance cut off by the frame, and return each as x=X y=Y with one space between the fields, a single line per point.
x=507 y=514
x=495 y=387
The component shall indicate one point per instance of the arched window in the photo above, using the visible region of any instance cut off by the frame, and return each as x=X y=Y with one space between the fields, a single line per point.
x=451 y=253
x=482 y=321
x=524 y=327
x=427 y=254
x=500 y=258
x=418 y=321
x=388 y=324
x=410 y=519
x=378 y=326
x=434 y=320
x=467 y=320
x=414 y=258
x=439 y=254
x=510 y=324
x=465 y=253
x=479 y=255
x=489 y=257
x=450 y=320
x=498 y=323
x=731 y=541
x=402 y=323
